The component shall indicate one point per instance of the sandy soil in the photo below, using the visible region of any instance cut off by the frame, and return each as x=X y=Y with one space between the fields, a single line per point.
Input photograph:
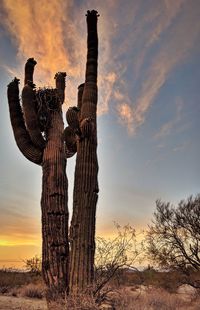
x=19 y=303
x=185 y=294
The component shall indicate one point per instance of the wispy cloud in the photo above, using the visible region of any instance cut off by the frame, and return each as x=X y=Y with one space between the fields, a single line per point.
x=137 y=52
x=126 y=116
x=167 y=127
x=54 y=33
x=41 y=30
x=175 y=31
x=181 y=146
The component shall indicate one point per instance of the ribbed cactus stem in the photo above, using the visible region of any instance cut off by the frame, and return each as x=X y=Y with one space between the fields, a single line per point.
x=82 y=233
x=22 y=137
x=82 y=230
x=70 y=139
x=92 y=44
x=89 y=101
x=80 y=95
x=60 y=85
x=30 y=115
x=55 y=249
x=54 y=201
x=29 y=69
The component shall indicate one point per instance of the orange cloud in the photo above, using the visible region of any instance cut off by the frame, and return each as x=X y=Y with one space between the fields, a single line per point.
x=126 y=116
x=44 y=30
x=47 y=31
x=54 y=32
x=172 y=50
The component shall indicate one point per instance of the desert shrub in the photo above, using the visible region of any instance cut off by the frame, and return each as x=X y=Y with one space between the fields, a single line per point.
x=173 y=238
x=14 y=292
x=4 y=289
x=169 y=281
x=114 y=256
x=33 y=291
x=78 y=302
x=10 y=279
x=34 y=265
x=25 y=283
x=154 y=299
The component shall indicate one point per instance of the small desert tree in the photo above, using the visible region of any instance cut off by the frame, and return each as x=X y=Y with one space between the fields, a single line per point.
x=34 y=264
x=173 y=238
x=113 y=256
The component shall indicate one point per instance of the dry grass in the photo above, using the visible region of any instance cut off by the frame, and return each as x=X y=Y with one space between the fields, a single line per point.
x=17 y=284
x=123 y=299
x=137 y=297
x=10 y=279
x=81 y=302
x=133 y=299
x=154 y=299
x=33 y=291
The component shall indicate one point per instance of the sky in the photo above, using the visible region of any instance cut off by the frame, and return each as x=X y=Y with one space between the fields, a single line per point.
x=148 y=108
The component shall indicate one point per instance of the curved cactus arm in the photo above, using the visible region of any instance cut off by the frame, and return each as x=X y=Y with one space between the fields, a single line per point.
x=60 y=85
x=30 y=115
x=29 y=105
x=21 y=135
x=70 y=140
x=72 y=117
x=29 y=69
x=80 y=95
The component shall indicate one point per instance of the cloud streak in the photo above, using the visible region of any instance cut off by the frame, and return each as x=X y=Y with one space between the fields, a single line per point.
x=137 y=53
x=167 y=127
x=173 y=35
x=54 y=33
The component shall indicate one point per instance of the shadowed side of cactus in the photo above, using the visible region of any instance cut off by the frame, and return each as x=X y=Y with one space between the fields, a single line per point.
x=82 y=230
x=38 y=130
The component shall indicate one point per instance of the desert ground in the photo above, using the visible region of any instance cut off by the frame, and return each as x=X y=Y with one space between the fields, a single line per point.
x=21 y=303
x=30 y=296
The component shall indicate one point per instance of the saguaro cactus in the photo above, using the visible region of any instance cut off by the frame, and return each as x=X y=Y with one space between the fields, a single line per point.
x=83 y=121
x=38 y=130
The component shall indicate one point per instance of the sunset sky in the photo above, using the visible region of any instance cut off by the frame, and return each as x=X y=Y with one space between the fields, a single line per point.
x=149 y=107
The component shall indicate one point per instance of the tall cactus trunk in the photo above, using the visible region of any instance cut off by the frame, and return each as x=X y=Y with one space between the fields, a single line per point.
x=55 y=251
x=82 y=231
x=82 y=234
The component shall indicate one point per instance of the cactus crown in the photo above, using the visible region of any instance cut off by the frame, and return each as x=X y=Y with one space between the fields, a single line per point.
x=47 y=100
x=92 y=13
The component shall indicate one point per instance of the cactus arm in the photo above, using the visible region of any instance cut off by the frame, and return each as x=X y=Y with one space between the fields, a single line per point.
x=29 y=105
x=80 y=96
x=69 y=138
x=30 y=115
x=29 y=69
x=60 y=85
x=21 y=135
x=72 y=133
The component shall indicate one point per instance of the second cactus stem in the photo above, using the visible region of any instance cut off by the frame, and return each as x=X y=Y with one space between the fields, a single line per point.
x=82 y=230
